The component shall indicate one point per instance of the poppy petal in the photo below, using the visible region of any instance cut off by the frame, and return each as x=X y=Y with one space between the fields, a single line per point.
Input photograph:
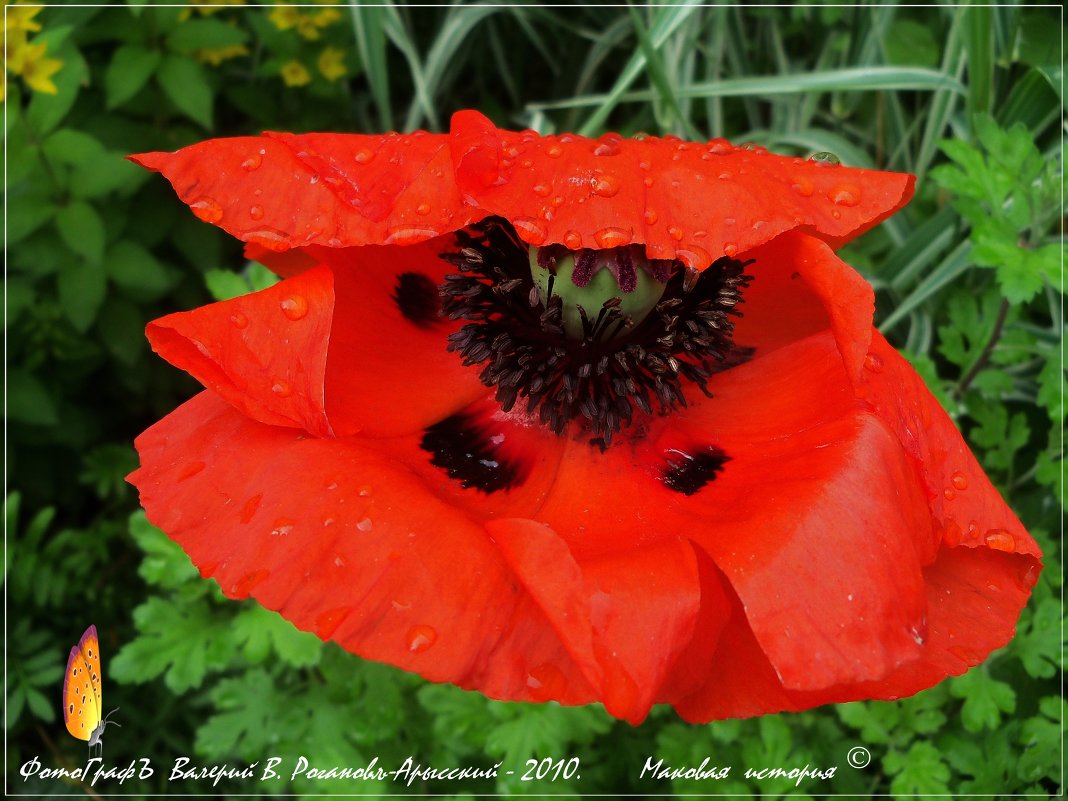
x=683 y=200
x=232 y=348
x=624 y=617
x=354 y=560
x=961 y=497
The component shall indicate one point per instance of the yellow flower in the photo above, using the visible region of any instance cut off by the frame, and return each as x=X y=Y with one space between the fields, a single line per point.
x=284 y=17
x=307 y=28
x=217 y=55
x=36 y=70
x=20 y=18
x=332 y=63
x=207 y=7
x=328 y=16
x=295 y=74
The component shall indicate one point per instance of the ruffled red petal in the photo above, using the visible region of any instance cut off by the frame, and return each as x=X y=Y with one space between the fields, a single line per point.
x=690 y=201
x=345 y=543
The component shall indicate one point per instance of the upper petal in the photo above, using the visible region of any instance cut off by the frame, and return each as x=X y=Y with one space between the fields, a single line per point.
x=684 y=200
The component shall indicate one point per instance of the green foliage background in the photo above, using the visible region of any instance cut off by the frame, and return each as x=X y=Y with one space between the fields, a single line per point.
x=968 y=280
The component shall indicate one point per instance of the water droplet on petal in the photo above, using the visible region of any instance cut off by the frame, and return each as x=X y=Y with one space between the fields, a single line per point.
x=1000 y=540
x=845 y=195
x=959 y=481
x=282 y=526
x=553 y=151
x=365 y=524
x=408 y=235
x=332 y=485
x=207 y=210
x=531 y=230
x=825 y=159
x=239 y=320
x=802 y=186
x=648 y=181
x=873 y=362
x=191 y=470
x=252 y=162
x=295 y=307
x=675 y=233
x=949 y=494
x=314 y=179
x=758 y=225
x=919 y=631
x=541 y=190
x=573 y=240
x=420 y=638
x=546 y=682
x=281 y=388
x=1028 y=578
x=695 y=257
x=718 y=146
x=256 y=212
x=365 y=491
x=606 y=185
x=269 y=238
x=724 y=176
x=612 y=237
x=423 y=208
x=650 y=217
x=364 y=155
x=608 y=145
x=729 y=248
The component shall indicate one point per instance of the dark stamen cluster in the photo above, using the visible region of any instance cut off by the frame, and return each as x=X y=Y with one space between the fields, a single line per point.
x=616 y=366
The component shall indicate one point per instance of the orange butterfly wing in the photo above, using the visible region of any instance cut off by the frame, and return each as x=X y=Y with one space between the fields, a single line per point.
x=82 y=702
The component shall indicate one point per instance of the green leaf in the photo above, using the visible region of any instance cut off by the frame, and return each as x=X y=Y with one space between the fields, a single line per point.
x=249 y=716
x=82 y=230
x=262 y=634
x=133 y=267
x=165 y=564
x=46 y=111
x=106 y=173
x=985 y=699
x=919 y=771
x=1039 y=646
x=181 y=642
x=128 y=71
x=26 y=214
x=122 y=328
x=912 y=44
x=28 y=401
x=1053 y=386
x=1041 y=738
x=208 y=34
x=185 y=82
x=81 y=292
x=70 y=146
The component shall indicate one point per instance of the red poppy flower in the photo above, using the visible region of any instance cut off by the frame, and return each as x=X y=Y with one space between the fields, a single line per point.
x=503 y=424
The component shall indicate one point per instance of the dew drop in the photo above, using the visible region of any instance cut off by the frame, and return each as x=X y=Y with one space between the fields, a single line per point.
x=959 y=481
x=339 y=562
x=719 y=146
x=270 y=238
x=802 y=186
x=314 y=179
x=607 y=146
x=526 y=164
x=695 y=257
x=729 y=221
x=1000 y=540
x=365 y=524
x=573 y=239
x=825 y=159
x=295 y=307
x=207 y=210
x=191 y=470
x=836 y=214
x=675 y=233
x=650 y=217
x=281 y=388
x=758 y=225
x=365 y=491
x=541 y=190
x=423 y=209
x=845 y=195
x=239 y=320
x=648 y=181
x=256 y=212
x=612 y=237
x=606 y=185
x=1027 y=579
x=420 y=638
x=949 y=494
x=873 y=362
x=644 y=166
x=282 y=526
x=253 y=162
x=532 y=230
x=553 y=151
x=725 y=176
x=364 y=156
x=332 y=485
x=408 y=235
x=729 y=249
x=546 y=682
x=919 y=631
x=558 y=201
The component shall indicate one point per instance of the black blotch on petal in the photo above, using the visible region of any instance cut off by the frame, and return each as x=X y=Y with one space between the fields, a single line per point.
x=466 y=454
x=417 y=298
x=689 y=472
x=734 y=357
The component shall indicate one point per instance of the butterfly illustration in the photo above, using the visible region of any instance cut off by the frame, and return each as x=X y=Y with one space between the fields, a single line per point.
x=82 y=705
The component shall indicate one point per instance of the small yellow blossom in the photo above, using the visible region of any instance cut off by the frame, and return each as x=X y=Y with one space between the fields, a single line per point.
x=307 y=28
x=207 y=7
x=328 y=16
x=332 y=63
x=20 y=18
x=284 y=17
x=217 y=55
x=295 y=74
x=36 y=70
